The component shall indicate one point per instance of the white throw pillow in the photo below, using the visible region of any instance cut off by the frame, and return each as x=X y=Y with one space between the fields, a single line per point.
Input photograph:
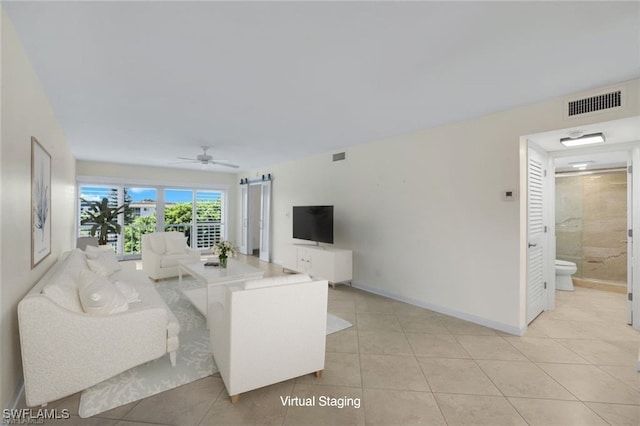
x=176 y=245
x=76 y=261
x=157 y=243
x=92 y=251
x=128 y=291
x=64 y=294
x=62 y=287
x=104 y=262
x=98 y=296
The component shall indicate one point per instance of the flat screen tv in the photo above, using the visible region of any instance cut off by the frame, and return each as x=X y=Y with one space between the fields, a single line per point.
x=313 y=223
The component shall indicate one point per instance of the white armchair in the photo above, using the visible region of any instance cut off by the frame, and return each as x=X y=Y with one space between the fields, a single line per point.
x=161 y=252
x=278 y=327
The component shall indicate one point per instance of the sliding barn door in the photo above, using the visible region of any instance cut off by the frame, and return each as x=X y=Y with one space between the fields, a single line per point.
x=245 y=245
x=265 y=222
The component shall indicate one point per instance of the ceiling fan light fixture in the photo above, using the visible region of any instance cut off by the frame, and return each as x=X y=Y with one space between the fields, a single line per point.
x=205 y=159
x=583 y=140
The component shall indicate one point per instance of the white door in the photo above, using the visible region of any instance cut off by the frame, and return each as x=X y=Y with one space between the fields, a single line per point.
x=633 y=253
x=536 y=285
x=245 y=244
x=265 y=222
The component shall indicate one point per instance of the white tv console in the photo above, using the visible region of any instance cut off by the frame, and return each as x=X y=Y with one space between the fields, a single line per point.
x=325 y=262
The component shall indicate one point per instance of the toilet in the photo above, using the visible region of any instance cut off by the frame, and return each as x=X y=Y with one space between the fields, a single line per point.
x=564 y=270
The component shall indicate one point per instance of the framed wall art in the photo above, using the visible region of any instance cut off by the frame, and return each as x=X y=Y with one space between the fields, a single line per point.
x=40 y=203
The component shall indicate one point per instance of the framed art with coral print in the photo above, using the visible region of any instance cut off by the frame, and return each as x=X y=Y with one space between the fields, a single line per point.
x=40 y=203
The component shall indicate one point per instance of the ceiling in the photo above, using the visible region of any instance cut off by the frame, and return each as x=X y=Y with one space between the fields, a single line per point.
x=265 y=82
x=610 y=154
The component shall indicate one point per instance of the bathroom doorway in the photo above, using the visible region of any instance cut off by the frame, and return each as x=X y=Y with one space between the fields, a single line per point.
x=591 y=218
x=623 y=142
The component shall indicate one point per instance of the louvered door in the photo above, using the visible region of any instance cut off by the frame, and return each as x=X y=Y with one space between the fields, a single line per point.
x=535 y=235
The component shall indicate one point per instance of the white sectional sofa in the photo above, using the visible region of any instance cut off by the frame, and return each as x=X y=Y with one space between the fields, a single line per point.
x=268 y=330
x=161 y=252
x=65 y=349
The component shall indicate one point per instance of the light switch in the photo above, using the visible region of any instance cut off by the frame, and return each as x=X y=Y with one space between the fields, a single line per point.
x=509 y=195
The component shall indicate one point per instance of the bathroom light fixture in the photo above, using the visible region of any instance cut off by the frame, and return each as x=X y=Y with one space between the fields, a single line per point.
x=581 y=164
x=583 y=140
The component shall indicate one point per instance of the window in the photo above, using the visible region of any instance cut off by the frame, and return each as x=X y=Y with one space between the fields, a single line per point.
x=198 y=213
x=90 y=194
x=208 y=215
x=139 y=218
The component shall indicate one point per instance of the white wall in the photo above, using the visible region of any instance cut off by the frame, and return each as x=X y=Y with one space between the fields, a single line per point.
x=423 y=212
x=161 y=176
x=26 y=112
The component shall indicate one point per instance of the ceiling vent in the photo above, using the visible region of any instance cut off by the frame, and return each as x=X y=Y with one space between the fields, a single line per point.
x=601 y=102
x=339 y=156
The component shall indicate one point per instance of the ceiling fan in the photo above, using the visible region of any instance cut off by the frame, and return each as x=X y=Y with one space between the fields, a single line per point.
x=206 y=159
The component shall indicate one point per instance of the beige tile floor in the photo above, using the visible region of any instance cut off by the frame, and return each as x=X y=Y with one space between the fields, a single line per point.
x=407 y=365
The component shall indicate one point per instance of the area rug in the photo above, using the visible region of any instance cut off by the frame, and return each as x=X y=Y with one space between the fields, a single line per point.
x=194 y=360
x=335 y=324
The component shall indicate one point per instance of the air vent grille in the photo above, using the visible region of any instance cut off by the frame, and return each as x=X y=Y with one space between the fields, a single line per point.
x=339 y=156
x=595 y=103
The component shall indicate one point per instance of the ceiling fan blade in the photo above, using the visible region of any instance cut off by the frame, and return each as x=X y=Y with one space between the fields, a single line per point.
x=185 y=158
x=183 y=162
x=224 y=164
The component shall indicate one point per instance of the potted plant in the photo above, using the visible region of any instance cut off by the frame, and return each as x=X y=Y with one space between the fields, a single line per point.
x=103 y=218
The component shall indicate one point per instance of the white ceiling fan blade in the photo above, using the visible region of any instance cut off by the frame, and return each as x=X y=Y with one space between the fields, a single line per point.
x=205 y=159
x=225 y=164
x=183 y=162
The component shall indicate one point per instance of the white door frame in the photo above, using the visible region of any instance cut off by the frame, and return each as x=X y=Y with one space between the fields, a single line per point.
x=635 y=229
x=630 y=244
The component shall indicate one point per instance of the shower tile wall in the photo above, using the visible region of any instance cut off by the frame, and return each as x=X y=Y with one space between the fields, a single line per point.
x=569 y=220
x=591 y=225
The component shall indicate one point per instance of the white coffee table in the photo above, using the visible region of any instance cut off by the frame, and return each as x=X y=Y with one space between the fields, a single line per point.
x=207 y=276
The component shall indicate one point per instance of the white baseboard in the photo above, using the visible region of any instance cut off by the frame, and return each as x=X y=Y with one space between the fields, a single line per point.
x=518 y=331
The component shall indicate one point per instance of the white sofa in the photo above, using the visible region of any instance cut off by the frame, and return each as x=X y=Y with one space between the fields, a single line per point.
x=268 y=330
x=161 y=252
x=65 y=349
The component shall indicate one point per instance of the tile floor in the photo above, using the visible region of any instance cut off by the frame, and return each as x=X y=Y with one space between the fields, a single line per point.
x=407 y=365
